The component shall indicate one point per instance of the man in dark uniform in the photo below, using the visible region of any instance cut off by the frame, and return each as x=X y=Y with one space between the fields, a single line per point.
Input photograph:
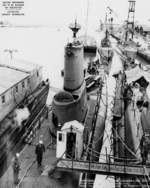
x=16 y=168
x=39 y=150
x=144 y=149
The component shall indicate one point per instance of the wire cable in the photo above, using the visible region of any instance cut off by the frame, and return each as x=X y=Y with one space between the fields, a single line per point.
x=125 y=144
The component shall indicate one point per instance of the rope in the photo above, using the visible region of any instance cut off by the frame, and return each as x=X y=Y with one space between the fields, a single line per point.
x=111 y=156
x=95 y=155
x=30 y=165
x=124 y=144
x=106 y=104
x=107 y=136
x=138 y=180
x=95 y=117
x=137 y=148
x=146 y=181
x=87 y=16
x=146 y=175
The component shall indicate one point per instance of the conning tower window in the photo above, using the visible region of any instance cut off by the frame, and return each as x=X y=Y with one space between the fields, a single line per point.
x=3 y=99
x=61 y=137
x=16 y=89
x=37 y=73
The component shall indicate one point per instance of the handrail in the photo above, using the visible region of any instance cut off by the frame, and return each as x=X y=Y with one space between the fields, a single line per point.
x=119 y=169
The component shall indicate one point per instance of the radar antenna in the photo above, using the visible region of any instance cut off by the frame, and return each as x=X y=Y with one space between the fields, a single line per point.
x=75 y=27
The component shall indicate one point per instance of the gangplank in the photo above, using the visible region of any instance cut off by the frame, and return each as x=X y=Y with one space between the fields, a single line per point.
x=116 y=169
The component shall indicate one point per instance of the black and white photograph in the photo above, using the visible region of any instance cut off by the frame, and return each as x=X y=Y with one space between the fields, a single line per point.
x=74 y=94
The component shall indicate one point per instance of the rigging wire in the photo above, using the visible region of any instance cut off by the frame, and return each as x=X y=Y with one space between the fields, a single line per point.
x=146 y=173
x=124 y=144
x=87 y=17
x=111 y=156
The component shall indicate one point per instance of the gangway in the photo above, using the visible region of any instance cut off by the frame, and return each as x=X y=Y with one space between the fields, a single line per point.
x=115 y=169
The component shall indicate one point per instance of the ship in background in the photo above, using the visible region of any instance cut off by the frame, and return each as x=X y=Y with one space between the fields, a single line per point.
x=129 y=163
x=135 y=113
x=89 y=43
x=23 y=95
x=105 y=52
x=68 y=124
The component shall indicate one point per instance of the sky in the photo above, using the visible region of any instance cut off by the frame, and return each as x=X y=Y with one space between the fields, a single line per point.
x=62 y=12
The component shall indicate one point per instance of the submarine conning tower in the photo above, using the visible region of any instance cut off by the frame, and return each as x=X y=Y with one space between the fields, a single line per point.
x=73 y=63
x=71 y=103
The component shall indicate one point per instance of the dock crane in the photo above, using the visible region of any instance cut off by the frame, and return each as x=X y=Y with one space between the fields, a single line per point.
x=111 y=17
x=130 y=20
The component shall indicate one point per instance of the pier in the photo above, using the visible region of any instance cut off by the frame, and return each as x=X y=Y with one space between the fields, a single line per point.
x=30 y=175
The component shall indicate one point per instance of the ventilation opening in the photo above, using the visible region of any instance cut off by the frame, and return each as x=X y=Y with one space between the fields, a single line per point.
x=75 y=97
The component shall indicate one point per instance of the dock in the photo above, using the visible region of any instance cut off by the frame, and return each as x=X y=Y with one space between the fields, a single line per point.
x=30 y=175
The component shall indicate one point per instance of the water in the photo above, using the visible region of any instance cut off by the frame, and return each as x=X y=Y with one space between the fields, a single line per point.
x=44 y=46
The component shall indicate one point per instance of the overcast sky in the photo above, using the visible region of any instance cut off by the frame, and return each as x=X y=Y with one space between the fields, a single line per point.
x=61 y=12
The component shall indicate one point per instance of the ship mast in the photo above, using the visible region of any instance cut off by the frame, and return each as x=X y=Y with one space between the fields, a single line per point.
x=75 y=28
x=87 y=17
x=106 y=25
x=130 y=20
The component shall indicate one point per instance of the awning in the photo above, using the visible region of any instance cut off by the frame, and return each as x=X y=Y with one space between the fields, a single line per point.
x=137 y=73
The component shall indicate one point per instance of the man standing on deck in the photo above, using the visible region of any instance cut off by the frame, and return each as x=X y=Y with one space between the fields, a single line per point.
x=39 y=150
x=16 y=168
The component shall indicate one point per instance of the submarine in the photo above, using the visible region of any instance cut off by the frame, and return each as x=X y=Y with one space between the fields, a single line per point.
x=71 y=102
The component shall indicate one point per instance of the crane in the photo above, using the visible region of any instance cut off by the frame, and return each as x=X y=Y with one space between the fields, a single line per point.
x=130 y=19
x=112 y=11
x=110 y=19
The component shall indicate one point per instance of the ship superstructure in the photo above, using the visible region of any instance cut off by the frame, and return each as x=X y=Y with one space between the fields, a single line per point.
x=105 y=52
x=70 y=103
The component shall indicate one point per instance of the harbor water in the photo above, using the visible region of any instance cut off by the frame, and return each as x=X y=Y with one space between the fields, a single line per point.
x=44 y=46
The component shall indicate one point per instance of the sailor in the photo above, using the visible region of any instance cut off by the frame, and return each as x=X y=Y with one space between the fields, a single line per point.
x=39 y=150
x=47 y=112
x=47 y=81
x=144 y=149
x=16 y=168
x=39 y=124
